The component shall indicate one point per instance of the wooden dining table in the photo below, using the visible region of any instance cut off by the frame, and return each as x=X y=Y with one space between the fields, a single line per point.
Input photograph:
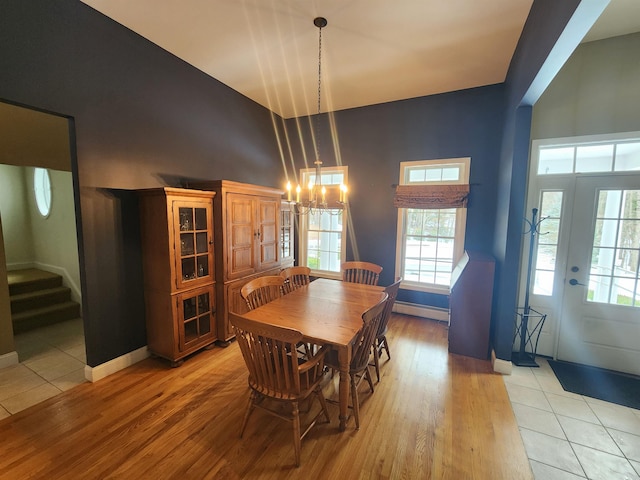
x=326 y=312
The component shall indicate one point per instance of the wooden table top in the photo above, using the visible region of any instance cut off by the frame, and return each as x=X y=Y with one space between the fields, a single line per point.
x=325 y=311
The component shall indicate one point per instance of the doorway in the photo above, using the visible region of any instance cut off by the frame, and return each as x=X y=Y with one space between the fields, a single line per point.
x=586 y=257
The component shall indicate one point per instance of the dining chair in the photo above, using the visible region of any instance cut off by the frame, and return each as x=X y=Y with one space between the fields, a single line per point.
x=361 y=353
x=295 y=277
x=262 y=290
x=361 y=272
x=381 y=343
x=277 y=375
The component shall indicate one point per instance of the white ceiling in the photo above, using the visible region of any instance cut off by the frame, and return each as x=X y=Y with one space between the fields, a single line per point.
x=373 y=51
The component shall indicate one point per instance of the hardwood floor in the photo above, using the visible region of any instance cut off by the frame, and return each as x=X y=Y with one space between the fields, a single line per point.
x=433 y=415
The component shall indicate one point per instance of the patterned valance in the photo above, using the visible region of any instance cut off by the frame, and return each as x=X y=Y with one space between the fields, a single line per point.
x=431 y=196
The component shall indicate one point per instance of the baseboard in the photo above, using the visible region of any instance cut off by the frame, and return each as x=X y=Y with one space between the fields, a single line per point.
x=9 y=359
x=433 y=313
x=500 y=366
x=93 y=374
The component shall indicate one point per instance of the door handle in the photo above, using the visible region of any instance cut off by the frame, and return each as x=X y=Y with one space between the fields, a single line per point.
x=574 y=282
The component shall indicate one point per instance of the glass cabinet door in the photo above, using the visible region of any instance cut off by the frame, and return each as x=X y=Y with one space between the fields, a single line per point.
x=194 y=251
x=196 y=310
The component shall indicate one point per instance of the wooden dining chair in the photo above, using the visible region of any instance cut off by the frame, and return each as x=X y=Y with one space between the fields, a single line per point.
x=262 y=290
x=295 y=277
x=361 y=272
x=380 y=343
x=276 y=374
x=361 y=353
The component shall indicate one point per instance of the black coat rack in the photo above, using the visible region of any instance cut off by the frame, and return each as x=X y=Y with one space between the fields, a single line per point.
x=529 y=322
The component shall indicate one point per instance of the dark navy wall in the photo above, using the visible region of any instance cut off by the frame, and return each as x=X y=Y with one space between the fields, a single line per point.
x=372 y=141
x=143 y=118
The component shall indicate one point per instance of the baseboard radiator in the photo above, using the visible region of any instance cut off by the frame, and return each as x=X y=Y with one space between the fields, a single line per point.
x=425 y=311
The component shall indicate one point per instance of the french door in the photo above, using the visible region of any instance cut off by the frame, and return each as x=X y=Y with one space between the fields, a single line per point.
x=600 y=309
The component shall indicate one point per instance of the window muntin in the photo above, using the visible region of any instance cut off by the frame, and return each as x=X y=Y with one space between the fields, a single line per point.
x=42 y=190
x=430 y=241
x=322 y=233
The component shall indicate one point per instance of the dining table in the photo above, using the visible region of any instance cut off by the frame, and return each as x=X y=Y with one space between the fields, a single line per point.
x=326 y=312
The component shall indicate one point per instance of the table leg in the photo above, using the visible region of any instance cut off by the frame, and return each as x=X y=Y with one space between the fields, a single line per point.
x=344 y=359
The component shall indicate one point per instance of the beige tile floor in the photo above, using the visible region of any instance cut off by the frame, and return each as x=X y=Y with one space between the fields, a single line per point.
x=52 y=360
x=571 y=437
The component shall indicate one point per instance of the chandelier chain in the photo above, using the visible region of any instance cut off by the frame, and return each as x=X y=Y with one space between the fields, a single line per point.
x=319 y=96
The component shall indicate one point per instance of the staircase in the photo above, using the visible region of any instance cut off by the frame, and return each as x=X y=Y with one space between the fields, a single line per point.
x=38 y=298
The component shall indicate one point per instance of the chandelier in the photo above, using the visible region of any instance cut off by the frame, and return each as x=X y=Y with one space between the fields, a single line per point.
x=315 y=196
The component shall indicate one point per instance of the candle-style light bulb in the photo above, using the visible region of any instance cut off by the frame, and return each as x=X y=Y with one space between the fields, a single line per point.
x=298 y=194
x=324 y=193
x=289 y=191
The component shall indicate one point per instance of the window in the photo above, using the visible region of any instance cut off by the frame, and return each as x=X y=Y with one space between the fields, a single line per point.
x=322 y=238
x=548 y=238
x=42 y=190
x=430 y=240
x=604 y=156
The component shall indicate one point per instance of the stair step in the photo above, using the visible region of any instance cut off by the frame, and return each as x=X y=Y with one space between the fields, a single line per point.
x=30 y=279
x=39 y=299
x=39 y=317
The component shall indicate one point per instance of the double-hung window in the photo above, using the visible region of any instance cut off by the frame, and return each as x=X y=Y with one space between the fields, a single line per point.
x=322 y=231
x=431 y=222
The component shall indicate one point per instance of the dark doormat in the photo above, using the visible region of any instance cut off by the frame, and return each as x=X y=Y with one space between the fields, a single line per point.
x=607 y=385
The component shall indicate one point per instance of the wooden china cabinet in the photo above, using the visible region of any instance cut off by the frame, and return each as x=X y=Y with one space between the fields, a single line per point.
x=179 y=270
x=248 y=232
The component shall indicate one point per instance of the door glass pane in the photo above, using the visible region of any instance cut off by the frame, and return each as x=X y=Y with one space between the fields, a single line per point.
x=594 y=158
x=201 y=218
x=616 y=247
x=186 y=244
x=548 y=225
x=202 y=243
x=186 y=218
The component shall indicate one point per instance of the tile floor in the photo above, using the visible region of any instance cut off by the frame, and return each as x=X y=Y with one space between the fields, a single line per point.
x=52 y=360
x=568 y=436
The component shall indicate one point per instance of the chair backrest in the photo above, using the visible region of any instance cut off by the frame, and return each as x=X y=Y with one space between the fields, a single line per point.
x=295 y=277
x=266 y=350
x=392 y=292
x=361 y=272
x=364 y=340
x=262 y=290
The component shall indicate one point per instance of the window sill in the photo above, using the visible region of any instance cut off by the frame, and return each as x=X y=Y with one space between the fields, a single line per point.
x=325 y=274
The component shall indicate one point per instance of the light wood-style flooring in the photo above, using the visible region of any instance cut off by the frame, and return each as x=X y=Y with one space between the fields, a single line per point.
x=433 y=415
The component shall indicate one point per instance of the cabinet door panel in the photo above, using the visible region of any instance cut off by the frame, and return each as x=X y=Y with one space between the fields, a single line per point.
x=196 y=318
x=240 y=242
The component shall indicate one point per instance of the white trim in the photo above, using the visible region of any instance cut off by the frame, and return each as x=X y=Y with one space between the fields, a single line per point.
x=500 y=366
x=93 y=374
x=9 y=359
x=432 y=313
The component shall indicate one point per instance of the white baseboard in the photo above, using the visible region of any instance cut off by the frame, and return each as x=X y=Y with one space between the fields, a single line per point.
x=500 y=366
x=93 y=374
x=433 y=313
x=9 y=359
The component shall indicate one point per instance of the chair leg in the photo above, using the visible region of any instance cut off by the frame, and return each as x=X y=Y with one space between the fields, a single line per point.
x=323 y=403
x=354 y=400
x=376 y=359
x=367 y=375
x=296 y=431
x=250 y=405
x=386 y=346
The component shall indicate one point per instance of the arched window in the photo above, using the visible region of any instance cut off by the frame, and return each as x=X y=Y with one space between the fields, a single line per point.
x=42 y=190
